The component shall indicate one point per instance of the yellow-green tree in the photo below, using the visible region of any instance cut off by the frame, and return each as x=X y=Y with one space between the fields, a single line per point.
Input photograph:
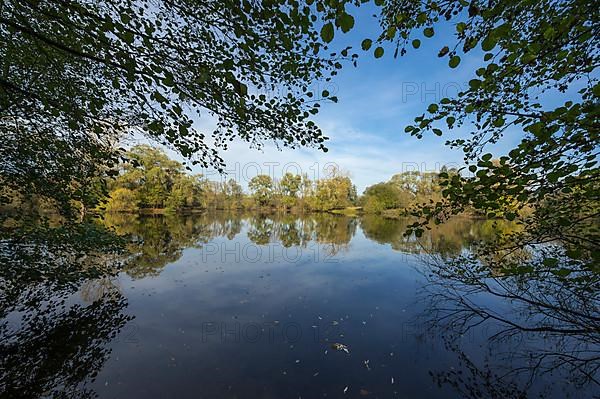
x=261 y=187
x=122 y=200
x=289 y=186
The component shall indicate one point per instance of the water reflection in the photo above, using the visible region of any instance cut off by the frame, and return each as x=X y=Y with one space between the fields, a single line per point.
x=423 y=317
x=156 y=241
x=60 y=307
x=533 y=322
x=446 y=240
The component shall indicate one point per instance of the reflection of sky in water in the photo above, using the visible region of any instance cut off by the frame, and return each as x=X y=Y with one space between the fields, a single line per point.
x=217 y=324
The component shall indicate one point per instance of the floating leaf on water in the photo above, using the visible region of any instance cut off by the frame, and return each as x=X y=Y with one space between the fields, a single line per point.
x=340 y=347
x=345 y=389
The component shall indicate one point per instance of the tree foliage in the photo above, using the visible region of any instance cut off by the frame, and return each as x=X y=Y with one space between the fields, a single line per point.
x=385 y=196
x=76 y=76
x=532 y=53
x=150 y=179
x=261 y=187
x=404 y=191
x=122 y=200
x=334 y=192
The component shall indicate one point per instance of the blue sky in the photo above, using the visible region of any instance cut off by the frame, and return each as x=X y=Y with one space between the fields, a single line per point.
x=366 y=127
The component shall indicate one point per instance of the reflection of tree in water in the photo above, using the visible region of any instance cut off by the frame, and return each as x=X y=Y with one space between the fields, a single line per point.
x=52 y=344
x=287 y=229
x=471 y=381
x=102 y=287
x=293 y=231
x=261 y=229
x=447 y=240
x=155 y=241
x=57 y=351
x=333 y=231
x=538 y=320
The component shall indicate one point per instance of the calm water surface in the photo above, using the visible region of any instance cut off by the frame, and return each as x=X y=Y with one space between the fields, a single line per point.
x=252 y=306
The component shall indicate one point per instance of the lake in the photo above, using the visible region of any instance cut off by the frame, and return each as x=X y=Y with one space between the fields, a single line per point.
x=281 y=306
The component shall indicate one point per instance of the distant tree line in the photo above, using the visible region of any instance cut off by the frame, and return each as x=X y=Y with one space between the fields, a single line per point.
x=152 y=181
x=148 y=181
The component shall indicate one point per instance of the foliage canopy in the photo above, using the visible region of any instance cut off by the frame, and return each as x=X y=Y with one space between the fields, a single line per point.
x=76 y=76
x=538 y=78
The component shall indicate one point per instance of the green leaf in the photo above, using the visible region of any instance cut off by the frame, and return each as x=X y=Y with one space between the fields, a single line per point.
x=346 y=22
x=561 y=272
x=488 y=43
x=366 y=44
x=428 y=32
x=574 y=253
x=550 y=262
x=168 y=80
x=378 y=52
x=327 y=32
x=475 y=84
x=243 y=89
x=128 y=37
x=416 y=43
x=125 y=18
x=454 y=61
